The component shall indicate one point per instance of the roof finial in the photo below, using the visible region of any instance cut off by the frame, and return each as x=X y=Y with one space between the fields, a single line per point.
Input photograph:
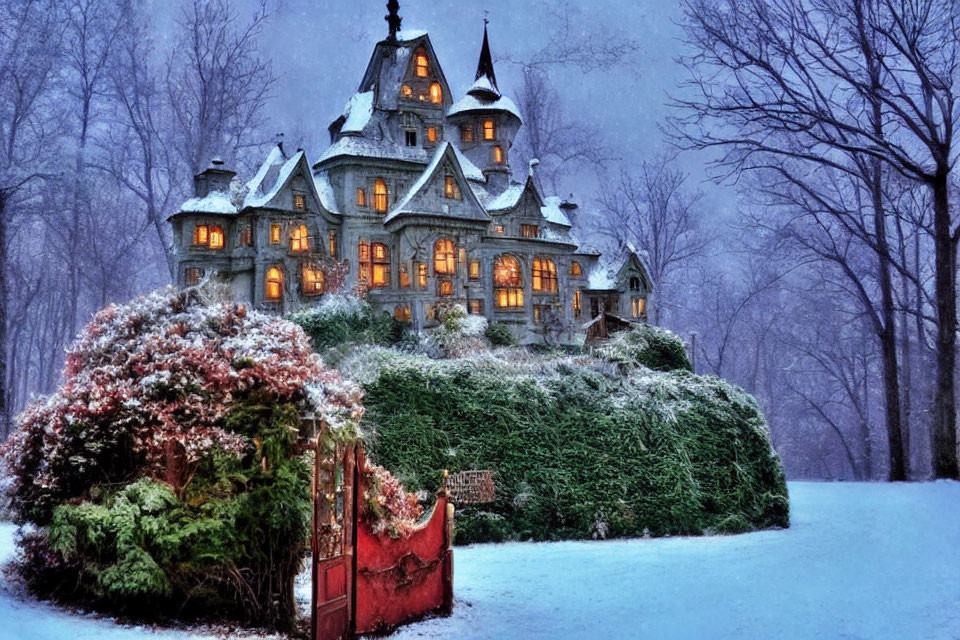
x=393 y=19
x=489 y=87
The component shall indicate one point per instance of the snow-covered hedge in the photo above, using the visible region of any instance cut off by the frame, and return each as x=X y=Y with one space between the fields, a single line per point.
x=581 y=449
x=646 y=345
x=342 y=320
x=164 y=473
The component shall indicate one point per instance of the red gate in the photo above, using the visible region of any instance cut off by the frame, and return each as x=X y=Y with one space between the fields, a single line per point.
x=372 y=583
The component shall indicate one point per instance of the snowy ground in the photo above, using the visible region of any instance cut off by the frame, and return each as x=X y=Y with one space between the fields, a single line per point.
x=861 y=561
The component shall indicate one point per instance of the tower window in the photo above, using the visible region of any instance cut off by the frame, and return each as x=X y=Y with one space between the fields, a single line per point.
x=498 y=154
x=498 y=228
x=422 y=65
x=450 y=188
x=444 y=261
x=436 y=93
x=411 y=137
x=466 y=134
x=299 y=202
x=380 y=195
x=431 y=134
x=274 y=283
x=361 y=197
x=201 y=234
x=489 y=130
x=216 y=237
x=404 y=277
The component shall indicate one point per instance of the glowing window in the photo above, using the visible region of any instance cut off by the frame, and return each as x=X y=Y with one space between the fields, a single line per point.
x=274 y=234
x=299 y=240
x=380 y=195
x=444 y=261
x=312 y=281
x=474 y=271
x=404 y=277
x=489 y=130
x=406 y=91
x=498 y=228
x=246 y=236
x=361 y=197
x=544 y=275
x=577 y=303
x=529 y=230
x=422 y=66
x=637 y=307
x=508 y=291
x=422 y=275
x=201 y=234
x=431 y=134
x=498 y=154
x=192 y=275
x=436 y=93
x=332 y=242
x=466 y=134
x=576 y=269
x=445 y=287
x=274 y=283
x=450 y=188
x=476 y=307
x=299 y=201
x=216 y=237
x=401 y=313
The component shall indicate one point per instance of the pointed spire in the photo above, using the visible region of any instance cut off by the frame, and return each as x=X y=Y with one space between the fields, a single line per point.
x=393 y=19
x=485 y=83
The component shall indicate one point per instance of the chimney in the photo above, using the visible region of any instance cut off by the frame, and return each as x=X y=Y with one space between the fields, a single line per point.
x=213 y=178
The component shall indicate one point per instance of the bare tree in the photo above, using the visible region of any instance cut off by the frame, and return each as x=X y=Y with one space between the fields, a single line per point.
x=840 y=84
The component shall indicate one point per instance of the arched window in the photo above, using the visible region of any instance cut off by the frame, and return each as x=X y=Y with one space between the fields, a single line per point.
x=274 y=283
x=498 y=154
x=638 y=307
x=421 y=64
x=381 y=265
x=576 y=269
x=361 y=197
x=544 y=275
x=489 y=130
x=444 y=261
x=299 y=239
x=380 y=195
x=436 y=93
x=634 y=284
x=216 y=237
x=507 y=282
x=312 y=280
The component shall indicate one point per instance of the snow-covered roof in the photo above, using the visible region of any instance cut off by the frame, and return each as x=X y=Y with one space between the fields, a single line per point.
x=406 y=35
x=508 y=199
x=552 y=212
x=357 y=112
x=259 y=198
x=325 y=190
x=604 y=274
x=213 y=202
x=482 y=84
x=271 y=164
x=472 y=103
x=470 y=170
x=402 y=206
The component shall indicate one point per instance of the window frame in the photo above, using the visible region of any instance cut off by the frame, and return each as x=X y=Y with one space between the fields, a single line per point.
x=445 y=259
x=276 y=232
x=498 y=157
x=309 y=273
x=299 y=202
x=201 y=235
x=544 y=275
x=435 y=93
x=451 y=190
x=530 y=230
x=489 y=129
x=508 y=283
x=362 y=198
x=421 y=63
x=275 y=281
x=216 y=231
x=466 y=133
x=381 y=195
x=299 y=239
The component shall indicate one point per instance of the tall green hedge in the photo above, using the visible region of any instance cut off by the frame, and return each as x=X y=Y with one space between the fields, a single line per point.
x=579 y=454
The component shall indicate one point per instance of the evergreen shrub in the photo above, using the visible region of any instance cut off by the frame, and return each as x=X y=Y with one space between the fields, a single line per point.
x=499 y=335
x=341 y=320
x=652 y=347
x=578 y=453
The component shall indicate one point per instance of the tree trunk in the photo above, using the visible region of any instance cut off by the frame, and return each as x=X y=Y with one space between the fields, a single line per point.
x=4 y=400
x=944 y=411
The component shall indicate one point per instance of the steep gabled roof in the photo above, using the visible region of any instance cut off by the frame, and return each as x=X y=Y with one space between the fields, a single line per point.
x=417 y=203
x=610 y=265
x=389 y=63
x=511 y=196
x=272 y=178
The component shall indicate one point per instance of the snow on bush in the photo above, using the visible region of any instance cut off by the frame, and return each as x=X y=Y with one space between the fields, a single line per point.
x=204 y=399
x=391 y=509
x=646 y=345
x=340 y=321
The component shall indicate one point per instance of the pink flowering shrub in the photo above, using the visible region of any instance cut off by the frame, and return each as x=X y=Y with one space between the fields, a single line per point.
x=390 y=508
x=147 y=388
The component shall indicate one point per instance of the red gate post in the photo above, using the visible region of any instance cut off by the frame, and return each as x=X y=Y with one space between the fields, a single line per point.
x=447 y=607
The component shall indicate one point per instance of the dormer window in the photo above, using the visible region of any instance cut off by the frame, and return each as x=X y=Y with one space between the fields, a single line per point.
x=466 y=134
x=380 y=195
x=410 y=136
x=498 y=154
x=634 y=284
x=450 y=188
x=422 y=65
x=436 y=93
x=299 y=202
x=361 y=197
x=529 y=231
x=489 y=130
